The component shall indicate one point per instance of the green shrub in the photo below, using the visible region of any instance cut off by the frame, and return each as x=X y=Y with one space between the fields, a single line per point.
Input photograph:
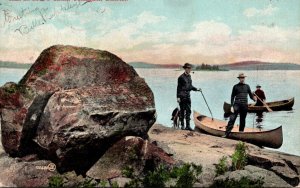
x=157 y=178
x=136 y=182
x=244 y=182
x=128 y=172
x=197 y=169
x=132 y=153
x=88 y=183
x=239 y=157
x=103 y=183
x=186 y=174
x=114 y=184
x=12 y=89
x=222 y=166
x=56 y=181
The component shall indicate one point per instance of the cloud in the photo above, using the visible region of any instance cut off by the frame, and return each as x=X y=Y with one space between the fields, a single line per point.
x=139 y=38
x=107 y=33
x=26 y=48
x=128 y=33
x=147 y=17
x=213 y=42
x=267 y=11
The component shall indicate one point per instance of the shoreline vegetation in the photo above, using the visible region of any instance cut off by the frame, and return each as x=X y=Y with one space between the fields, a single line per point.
x=207 y=67
x=8 y=64
x=243 y=65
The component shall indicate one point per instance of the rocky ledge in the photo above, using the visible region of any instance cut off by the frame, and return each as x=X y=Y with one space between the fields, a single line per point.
x=206 y=150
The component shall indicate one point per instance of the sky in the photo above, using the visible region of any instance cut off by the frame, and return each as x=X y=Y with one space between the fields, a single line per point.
x=155 y=31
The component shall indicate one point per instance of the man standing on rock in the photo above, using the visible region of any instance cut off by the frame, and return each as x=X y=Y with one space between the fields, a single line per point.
x=184 y=88
x=239 y=104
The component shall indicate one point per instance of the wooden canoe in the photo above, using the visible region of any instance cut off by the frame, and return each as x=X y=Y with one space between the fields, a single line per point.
x=268 y=138
x=275 y=106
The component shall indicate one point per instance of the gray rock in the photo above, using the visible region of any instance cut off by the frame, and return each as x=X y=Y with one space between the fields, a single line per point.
x=287 y=174
x=206 y=178
x=285 y=166
x=269 y=178
x=71 y=179
x=121 y=181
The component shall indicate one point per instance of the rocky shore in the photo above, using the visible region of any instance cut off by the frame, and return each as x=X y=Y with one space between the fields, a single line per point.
x=207 y=150
x=173 y=146
x=82 y=117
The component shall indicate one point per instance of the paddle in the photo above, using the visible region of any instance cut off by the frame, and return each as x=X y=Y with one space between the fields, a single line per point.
x=207 y=105
x=268 y=108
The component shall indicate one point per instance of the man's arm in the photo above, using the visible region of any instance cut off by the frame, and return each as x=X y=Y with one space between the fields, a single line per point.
x=179 y=85
x=192 y=87
x=233 y=94
x=251 y=94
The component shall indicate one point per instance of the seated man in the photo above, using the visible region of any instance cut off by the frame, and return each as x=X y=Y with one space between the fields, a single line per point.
x=261 y=94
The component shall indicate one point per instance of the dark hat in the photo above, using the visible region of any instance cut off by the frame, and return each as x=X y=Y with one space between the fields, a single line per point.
x=241 y=75
x=258 y=86
x=187 y=65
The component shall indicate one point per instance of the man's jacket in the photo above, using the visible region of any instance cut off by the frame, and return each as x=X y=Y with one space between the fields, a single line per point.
x=185 y=86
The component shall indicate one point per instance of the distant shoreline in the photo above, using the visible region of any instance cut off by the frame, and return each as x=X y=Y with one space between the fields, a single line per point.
x=242 y=66
x=204 y=70
x=15 y=67
x=5 y=64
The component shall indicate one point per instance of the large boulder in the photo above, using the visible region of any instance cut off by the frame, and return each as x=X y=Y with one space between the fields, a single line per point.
x=72 y=105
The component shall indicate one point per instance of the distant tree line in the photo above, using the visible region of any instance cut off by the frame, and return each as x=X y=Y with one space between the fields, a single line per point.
x=204 y=66
x=6 y=64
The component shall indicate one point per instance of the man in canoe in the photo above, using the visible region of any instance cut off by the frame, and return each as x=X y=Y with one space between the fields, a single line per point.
x=184 y=88
x=261 y=94
x=239 y=104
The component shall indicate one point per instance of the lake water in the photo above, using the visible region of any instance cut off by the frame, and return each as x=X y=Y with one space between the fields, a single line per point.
x=217 y=87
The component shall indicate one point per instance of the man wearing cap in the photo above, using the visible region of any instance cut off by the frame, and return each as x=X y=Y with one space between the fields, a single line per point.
x=239 y=104
x=184 y=88
x=261 y=94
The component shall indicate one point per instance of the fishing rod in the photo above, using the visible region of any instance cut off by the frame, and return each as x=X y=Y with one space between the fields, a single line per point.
x=207 y=105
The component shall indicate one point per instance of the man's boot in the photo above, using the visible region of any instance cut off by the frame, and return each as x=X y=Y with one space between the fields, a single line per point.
x=188 y=127
x=182 y=124
x=226 y=135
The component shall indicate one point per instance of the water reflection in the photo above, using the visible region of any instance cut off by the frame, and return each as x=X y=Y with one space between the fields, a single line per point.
x=259 y=120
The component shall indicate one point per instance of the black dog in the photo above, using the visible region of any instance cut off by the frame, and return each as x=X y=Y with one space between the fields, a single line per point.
x=175 y=118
